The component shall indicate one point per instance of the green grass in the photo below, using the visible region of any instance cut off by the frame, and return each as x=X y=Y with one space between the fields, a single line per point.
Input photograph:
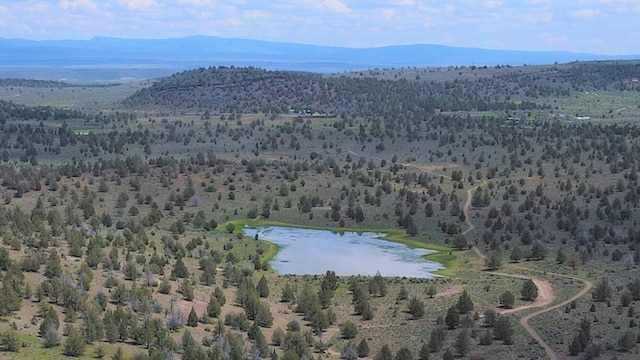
x=31 y=348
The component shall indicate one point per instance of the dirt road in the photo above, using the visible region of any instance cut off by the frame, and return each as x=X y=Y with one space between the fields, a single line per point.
x=545 y=298
x=525 y=320
x=465 y=210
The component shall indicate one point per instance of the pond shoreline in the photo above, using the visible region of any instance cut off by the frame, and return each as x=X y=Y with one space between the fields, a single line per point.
x=443 y=255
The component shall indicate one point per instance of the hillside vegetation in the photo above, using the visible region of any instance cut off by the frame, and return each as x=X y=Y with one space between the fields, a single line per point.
x=121 y=228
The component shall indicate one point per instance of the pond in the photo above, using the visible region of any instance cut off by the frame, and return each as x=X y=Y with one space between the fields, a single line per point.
x=304 y=251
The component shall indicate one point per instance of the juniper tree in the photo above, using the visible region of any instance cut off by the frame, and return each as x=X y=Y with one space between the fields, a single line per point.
x=529 y=290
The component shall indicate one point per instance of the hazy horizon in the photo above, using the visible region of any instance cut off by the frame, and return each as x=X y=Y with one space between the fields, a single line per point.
x=588 y=26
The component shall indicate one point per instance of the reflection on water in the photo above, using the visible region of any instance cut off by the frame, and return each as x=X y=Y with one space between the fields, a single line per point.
x=304 y=251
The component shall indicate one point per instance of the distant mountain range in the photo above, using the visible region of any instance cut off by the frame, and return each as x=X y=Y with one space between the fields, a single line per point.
x=203 y=51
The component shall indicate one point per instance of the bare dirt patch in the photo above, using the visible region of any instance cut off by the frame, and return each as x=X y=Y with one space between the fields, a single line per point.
x=454 y=290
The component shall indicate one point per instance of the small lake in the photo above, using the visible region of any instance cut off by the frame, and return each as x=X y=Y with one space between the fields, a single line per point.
x=304 y=251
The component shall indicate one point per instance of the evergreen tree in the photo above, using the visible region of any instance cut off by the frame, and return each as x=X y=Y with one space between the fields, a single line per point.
x=377 y=285
x=363 y=348
x=603 y=290
x=180 y=269
x=494 y=260
x=263 y=287
x=384 y=353
x=50 y=320
x=436 y=338
x=192 y=319
x=74 y=345
x=187 y=290
x=10 y=299
x=507 y=299
x=452 y=320
x=529 y=290
x=288 y=294
x=348 y=330
x=93 y=327
x=516 y=254
x=403 y=354
x=190 y=349
x=486 y=338
x=213 y=307
x=464 y=304
x=463 y=342
x=503 y=330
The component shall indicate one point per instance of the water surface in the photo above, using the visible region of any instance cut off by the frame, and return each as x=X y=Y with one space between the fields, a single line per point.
x=304 y=251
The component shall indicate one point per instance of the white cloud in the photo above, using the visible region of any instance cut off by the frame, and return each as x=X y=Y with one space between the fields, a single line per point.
x=139 y=4
x=196 y=2
x=538 y=17
x=403 y=3
x=333 y=6
x=84 y=5
x=586 y=14
x=258 y=15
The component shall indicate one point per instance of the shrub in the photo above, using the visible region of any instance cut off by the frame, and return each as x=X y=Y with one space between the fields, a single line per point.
x=348 y=330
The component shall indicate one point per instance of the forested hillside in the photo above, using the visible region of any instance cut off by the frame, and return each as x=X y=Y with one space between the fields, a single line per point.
x=273 y=92
x=122 y=229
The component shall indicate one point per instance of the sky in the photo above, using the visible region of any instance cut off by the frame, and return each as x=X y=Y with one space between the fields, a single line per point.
x=607 y=27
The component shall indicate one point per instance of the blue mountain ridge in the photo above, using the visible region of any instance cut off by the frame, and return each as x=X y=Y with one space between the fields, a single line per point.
x=203 y=51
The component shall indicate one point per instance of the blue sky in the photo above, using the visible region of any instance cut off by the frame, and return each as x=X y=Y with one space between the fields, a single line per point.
x=595 y=26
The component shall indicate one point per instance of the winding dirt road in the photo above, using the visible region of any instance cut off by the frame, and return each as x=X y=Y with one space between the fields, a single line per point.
x=545 y=298
x=465 y=210
x=545 y=290
x=525 y=320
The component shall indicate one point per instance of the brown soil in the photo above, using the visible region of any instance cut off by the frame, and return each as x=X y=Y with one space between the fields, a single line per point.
x=454 y=290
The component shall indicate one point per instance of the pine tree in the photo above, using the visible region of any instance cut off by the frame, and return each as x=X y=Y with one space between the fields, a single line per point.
x=452 y=320
x=507 y=299
x=74 y=346
x=192 y=319
x=187 y=290
x=377 y=285
x=219 y=294
x=263 y=287
x=463 y=342
x=363 y=348
x=603 y=291
x=180 y=269
x=436 y=338
x=503 y=329
x=213 y=307
x=529 y=290
x=384 y=353
x=288 y=294
x=465 y=304
x=403 y=354
x=50 y=320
